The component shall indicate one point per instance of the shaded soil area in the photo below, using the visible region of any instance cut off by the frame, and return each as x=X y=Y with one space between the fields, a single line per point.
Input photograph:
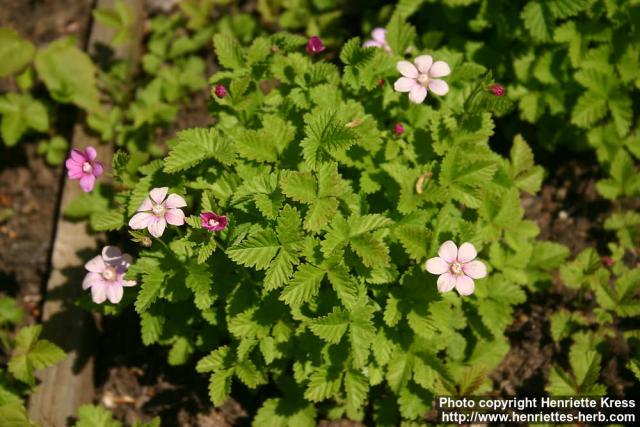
x=568 y=210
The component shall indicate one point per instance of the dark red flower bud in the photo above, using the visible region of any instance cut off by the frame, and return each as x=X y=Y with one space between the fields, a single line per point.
x=497 y=90
x=607 y=261
x=315 y=45
x=381 y=82
x=220 y=91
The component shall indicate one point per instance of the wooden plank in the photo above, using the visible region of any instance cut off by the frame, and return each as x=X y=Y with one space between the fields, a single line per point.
x=69 y=384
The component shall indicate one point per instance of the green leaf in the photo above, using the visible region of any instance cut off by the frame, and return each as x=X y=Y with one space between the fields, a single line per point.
x=537 y=19
x=304 y=285
x=356 y=386
x=230 y=53
x=589 y=108
x=10 y=311
x=31 y=353
x=331 y=327
x=14 y=414
x=326 y=135
x=151 y=326
x=256 y=251
x=180 y=351
x=220 y=386
x=20 y=113
x=15 y=52
x=400 y=35
x=149 y=291
x=196 y=145
x=107 y=220
x=217 y=360
x=69 y=74
x=95 y=416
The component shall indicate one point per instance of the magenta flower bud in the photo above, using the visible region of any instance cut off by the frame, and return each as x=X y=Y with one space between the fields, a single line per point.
x=213 y=222
x=497 y=90
x=220 y=91
x=398 y=129
x=83 y=166
x=315 y=45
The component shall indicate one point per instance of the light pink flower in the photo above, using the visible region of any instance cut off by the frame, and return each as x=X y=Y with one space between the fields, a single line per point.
x=106 y=275
x=82 y=165
x=456 y=267
x=424 y=74
x=157 y=210
x=379 y=36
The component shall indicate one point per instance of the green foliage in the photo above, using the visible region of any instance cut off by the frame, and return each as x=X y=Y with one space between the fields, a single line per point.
x=20 y=113
x=15 y=52
x=69 y=74
x=317 y=286
x=31 y=353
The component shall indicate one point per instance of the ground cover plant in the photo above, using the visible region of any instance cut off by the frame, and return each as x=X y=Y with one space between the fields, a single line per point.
x=346 y=237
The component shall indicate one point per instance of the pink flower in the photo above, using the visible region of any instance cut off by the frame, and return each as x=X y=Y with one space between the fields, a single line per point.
x=220 y=91
x=83 y=165
x=157 y=210
x=106 y=275
x=497 y=90
x=315 y=45
x=456 y=267
x=213 y=222
x=398 y=129
x=417 y=78
x=379 y=36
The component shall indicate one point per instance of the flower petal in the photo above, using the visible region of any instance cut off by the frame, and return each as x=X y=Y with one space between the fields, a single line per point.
x=448 y=251
x=98 y=169
x=141 y=220
x=439 y=87
x=90 y=153
x=437 y=265
x=465 y=285
x=129 y=283
x=87 y=182
x=446 y=282
x=74 y=169
x=467 y=252
x=475 y=269
x=174 y=201
x=90 y=279
x=404 y=84
x=78 y=156
x=379 y=35
x=372 y=43
x=115 y=292
x=99 y=292
x=423 y=63
x=417 y=94
x=439 y=69
x=158 y=194
x=157 y=226
x=111 y=253
x=95 y=265
x=146 y=205
x=174 y=216
x=407 y=69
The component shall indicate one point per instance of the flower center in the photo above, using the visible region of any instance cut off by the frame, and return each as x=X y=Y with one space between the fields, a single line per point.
x=423 y=79
x=456 y=268
x=214 y=222
x=109 y=274
x=87 y=168
x=158 y=210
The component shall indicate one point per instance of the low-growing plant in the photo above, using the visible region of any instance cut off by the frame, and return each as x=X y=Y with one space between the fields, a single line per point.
x=310 y=210
x=23 y=352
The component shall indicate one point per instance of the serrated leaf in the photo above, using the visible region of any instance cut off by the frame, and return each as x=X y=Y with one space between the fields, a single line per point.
x=149 y=290
x=228 y=50
x=304 y=285
x=331 y=327
x=256 y=251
